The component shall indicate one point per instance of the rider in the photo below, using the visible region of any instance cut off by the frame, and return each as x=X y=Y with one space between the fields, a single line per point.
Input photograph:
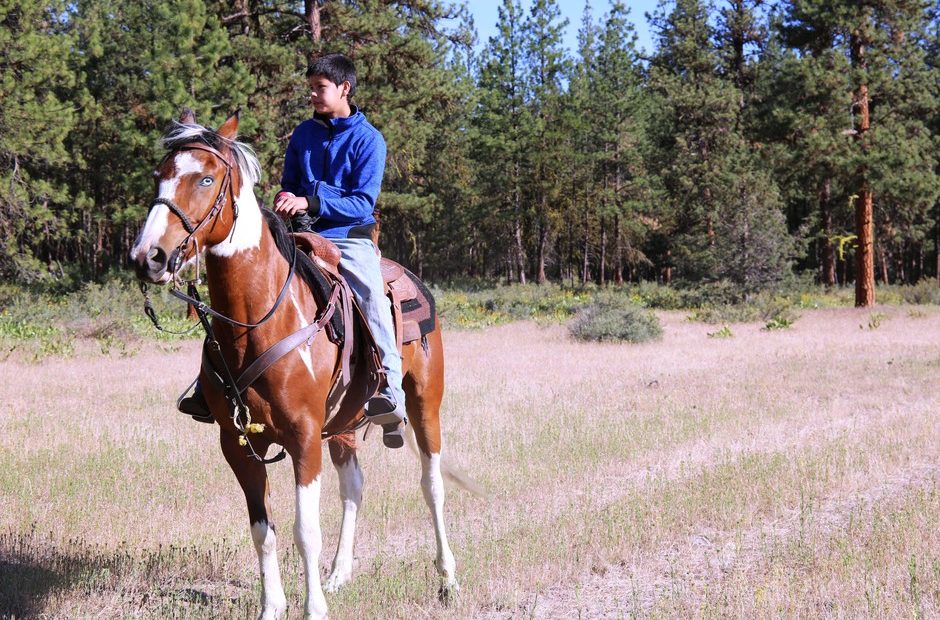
x=332 y=176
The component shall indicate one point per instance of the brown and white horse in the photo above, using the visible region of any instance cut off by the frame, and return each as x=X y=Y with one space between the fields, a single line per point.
x=206 y=206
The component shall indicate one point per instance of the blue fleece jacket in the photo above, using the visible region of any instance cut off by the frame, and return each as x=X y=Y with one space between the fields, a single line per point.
x=337 y=164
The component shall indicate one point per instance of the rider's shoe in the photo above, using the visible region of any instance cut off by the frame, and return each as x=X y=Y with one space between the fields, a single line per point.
x=196 y=406
x=383 y=408
x=393 y=435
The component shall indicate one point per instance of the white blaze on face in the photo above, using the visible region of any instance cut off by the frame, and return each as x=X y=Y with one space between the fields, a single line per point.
x=159 y=217
x=247 y=233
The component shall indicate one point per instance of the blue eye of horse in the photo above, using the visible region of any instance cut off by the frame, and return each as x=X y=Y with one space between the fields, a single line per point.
x=206 y=181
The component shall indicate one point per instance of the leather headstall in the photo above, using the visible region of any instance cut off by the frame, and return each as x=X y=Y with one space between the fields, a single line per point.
x=214 y=210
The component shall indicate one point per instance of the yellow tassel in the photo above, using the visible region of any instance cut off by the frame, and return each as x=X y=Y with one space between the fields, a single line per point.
x=243 y=441
x=255 y=428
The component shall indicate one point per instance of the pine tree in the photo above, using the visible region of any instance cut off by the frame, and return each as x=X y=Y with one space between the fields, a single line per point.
x=502 y=121
x=36 y=116
x=546 y=66
x=725 y=215
x=621 y=118
x=142 y=62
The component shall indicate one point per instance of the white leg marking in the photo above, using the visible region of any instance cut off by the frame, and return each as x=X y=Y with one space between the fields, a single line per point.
x=273 y=601
x=350 y=491
x=308 y=538
x=247 y=235
x=432 y=483
x=303 y=349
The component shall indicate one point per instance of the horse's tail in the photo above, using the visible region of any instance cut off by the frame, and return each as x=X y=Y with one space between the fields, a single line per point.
x=452 y=473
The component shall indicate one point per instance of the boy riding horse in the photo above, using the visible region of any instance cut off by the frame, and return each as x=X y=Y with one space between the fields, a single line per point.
x=332 y=176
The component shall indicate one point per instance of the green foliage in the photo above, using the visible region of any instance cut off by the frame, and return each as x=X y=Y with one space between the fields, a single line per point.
x=724 y=332
x=615 y=319
x=726 y=158
x=503 y=304
x=923 y=293
x=41 y=324
x=778 y=323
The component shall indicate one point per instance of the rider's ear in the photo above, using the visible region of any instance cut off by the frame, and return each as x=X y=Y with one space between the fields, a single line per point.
x=229 y=128
x=188 y=117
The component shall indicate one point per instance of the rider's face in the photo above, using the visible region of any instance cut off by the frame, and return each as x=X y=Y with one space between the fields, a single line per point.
x=326 y=97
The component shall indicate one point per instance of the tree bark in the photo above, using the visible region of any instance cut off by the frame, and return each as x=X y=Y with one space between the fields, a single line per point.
x=312 y=13
x=864 y=228
x=618 y=249
x=543 y=242
x=828 y=275
x=602 y=275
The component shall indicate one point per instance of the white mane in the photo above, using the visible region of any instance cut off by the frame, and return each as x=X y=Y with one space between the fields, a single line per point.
x=184 y=133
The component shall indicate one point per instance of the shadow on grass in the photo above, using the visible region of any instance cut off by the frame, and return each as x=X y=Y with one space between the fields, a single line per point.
x=39 y=574
x=25 y=587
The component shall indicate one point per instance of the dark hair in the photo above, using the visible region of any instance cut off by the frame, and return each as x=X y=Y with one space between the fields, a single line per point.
x=337 y=68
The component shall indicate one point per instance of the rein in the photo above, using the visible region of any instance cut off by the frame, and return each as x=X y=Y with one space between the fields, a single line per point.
x=232 y=387
x=241 y=416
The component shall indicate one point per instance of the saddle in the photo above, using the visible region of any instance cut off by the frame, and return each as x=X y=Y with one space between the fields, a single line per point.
x=412 y=303
x=413 y=314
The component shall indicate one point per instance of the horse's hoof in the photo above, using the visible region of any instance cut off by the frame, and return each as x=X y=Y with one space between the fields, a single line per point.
x=448 y=593
x=336 y=581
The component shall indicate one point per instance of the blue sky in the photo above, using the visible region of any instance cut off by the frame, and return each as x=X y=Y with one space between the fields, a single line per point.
x=485 y=15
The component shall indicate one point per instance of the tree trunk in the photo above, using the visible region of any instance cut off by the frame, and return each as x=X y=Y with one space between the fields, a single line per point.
x=618 y=249
x=828 y=275
x=884 y=263
x=585 y=254
x=864 y=229
x=602 y=275
x=543 y=243
x=519 y=251
x=312 y=12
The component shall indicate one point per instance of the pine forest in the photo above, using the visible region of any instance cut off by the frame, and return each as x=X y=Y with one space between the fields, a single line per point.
x=759 y=140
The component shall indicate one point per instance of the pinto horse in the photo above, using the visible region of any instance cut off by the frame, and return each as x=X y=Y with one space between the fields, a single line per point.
x=205 y=210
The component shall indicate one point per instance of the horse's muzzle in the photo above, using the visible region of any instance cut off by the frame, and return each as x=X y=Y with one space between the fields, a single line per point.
x=152 y=266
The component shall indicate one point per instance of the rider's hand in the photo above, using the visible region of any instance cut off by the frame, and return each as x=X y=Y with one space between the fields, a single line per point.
x=287 y=204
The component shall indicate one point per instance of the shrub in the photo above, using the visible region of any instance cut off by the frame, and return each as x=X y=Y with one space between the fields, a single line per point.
x=923 y=293
x=606 y=320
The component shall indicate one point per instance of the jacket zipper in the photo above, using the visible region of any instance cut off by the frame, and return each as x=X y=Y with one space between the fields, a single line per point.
x=329 y=144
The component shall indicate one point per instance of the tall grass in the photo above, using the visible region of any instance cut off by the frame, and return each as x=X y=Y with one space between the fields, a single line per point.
x=773 y=473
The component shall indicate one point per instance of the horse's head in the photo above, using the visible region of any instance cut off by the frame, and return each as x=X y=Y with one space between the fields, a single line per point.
x=200 y=184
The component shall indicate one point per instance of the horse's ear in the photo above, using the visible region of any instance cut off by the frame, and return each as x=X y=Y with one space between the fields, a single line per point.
x=229 y=128
x=188 y=117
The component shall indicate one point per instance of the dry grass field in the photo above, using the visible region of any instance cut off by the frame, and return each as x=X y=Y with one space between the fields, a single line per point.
x=789 y=473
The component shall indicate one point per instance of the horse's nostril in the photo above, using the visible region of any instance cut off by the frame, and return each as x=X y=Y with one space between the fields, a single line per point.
x=156 y=259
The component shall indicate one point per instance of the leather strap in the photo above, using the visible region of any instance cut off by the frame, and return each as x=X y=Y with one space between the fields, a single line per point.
x=286 y=345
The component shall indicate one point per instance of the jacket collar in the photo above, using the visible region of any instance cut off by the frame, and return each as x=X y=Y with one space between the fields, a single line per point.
x=341 y=124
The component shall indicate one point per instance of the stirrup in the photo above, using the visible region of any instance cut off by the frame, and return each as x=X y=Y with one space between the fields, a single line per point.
x=196 y=407
x=382 y=409
x=393 y=435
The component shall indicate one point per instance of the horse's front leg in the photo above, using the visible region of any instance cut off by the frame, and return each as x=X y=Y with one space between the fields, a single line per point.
x=307 y=535
x=253 y=479
x=343 y=455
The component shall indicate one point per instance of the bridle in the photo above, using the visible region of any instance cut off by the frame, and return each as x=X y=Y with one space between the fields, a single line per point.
x=241 y=417
x=225 y=187
x=192 y=295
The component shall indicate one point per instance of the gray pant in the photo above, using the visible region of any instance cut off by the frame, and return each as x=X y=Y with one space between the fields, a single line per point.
x=360 y=267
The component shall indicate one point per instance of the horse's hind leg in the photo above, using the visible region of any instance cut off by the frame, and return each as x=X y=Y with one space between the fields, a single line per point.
x=253 y=479
x=343 y=455
x=424 y=390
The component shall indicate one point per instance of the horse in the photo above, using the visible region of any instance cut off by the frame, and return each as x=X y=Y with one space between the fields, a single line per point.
x=206 y=210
